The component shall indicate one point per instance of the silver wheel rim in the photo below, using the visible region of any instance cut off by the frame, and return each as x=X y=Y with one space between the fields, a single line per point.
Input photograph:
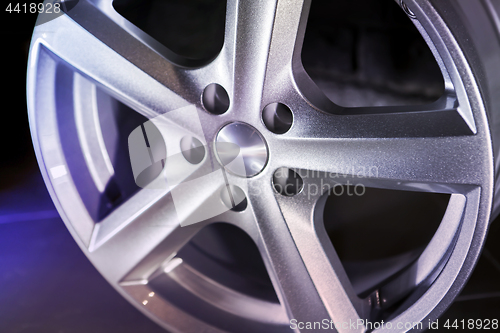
x=443 y=147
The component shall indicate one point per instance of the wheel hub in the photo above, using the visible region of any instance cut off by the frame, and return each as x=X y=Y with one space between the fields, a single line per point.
x=238 y=142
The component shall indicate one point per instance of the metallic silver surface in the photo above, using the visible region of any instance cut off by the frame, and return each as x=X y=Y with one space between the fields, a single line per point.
x=248 y=143
x=444 y=147
x=192 y=149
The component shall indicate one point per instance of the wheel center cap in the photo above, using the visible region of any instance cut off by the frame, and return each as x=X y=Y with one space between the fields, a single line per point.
x=241 y=149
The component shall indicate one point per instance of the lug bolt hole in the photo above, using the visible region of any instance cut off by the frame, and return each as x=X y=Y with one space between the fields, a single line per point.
x=215 y=99
x=192 y=149
x=234 y=198
x=287 y=182
x=277 y=117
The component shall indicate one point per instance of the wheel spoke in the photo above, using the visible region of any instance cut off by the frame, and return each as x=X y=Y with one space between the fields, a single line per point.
x=321 y=260
x=152 y=233
x=184 y=76
x=449 y=115
x=284 y=51
x=390 y=162
x=248 y=48
x=441 y=118
x=310 y=287
x=154 y=224
x=284 y=264
x=94 y=59
x=134 y=222
x=259 y=28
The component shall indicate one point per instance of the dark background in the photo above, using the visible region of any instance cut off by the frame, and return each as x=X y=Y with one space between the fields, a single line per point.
x=48 y=285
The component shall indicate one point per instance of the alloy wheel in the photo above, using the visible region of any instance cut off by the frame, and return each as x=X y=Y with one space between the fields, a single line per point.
x=94 y=79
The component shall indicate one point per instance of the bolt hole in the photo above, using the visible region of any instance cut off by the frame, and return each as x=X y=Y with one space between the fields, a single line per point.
x=192 y=149
x=234 y=198
x=287 y=182
x=215 y=99
x=277 y=117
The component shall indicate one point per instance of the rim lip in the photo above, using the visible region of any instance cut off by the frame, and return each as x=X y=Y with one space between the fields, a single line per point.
x=475 y=95
x=32 y=73
x=36 y=48
x=467 y=264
